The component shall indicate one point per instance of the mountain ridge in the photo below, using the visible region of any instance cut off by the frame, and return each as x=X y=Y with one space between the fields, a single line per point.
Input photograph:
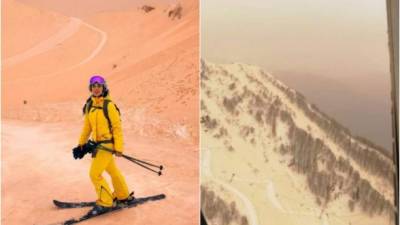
x=336 y=164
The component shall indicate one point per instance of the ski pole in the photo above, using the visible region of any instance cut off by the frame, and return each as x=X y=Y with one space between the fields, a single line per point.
x=138 y=160
x=144 y=162
x=138 y=163
x=133 y=160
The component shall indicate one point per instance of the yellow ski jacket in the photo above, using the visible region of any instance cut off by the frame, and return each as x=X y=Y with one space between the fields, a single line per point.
x=96 y=123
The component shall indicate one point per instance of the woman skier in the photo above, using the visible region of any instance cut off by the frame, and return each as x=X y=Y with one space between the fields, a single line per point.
x=102 y=122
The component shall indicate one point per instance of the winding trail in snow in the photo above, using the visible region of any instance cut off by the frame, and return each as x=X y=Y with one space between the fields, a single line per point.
x=272 y=196
x=99 y=47
x=46 y=45
x=70 y=29
x=270 y=192
x=206 y=171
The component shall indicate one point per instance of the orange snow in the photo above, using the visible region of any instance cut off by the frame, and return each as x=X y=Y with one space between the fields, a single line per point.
x=149 y=60
x=151 y=64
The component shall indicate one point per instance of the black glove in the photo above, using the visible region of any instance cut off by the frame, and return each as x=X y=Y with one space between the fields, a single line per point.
x=79 y=152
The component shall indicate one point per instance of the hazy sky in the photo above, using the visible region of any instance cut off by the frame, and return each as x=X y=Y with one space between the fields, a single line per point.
x=334 y=52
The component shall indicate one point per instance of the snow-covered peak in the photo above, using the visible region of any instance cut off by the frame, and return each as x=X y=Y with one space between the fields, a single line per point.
x=254 y=116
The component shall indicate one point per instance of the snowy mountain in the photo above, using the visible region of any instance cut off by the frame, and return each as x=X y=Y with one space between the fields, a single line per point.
x=279 y=160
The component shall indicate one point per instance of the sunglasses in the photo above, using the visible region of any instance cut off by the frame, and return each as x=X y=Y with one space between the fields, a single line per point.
x=96 y=85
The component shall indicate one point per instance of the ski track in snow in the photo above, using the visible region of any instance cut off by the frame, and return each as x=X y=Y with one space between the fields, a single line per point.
x=99 y=47
x=270 y=189
x=251 y=212
x=52 y=42
x=70 y=29
x=249 y=206
x=272 y=196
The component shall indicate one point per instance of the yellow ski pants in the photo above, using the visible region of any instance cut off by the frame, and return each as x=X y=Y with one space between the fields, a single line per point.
x=105 y=161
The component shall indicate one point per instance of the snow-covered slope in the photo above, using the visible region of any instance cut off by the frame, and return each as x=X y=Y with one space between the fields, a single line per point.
x=150 y=62
x=294 y=163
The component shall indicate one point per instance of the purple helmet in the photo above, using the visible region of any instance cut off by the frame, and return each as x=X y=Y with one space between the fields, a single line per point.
x=97 y=79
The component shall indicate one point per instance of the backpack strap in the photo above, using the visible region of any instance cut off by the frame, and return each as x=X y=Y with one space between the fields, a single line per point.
x=105 y=110
x=87 y=106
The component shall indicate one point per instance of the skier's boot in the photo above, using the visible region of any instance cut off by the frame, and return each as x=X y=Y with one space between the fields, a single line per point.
x=124 y=202
x=99 y=209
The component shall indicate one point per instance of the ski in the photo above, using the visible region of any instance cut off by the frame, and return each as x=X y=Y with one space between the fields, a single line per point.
x=68 y=205
x=133 y=203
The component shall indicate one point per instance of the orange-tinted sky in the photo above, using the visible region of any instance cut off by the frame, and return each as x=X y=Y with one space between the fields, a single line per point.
x=330 y=37
x=344 y=41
